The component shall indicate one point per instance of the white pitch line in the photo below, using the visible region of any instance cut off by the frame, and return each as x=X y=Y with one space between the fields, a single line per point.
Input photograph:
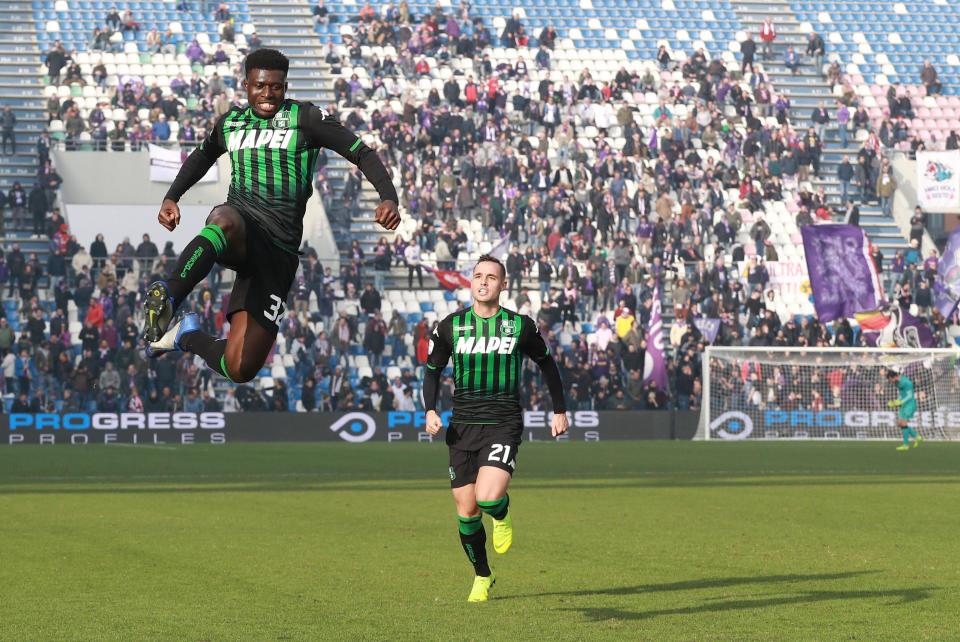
x=146 y=446
x=722 y=475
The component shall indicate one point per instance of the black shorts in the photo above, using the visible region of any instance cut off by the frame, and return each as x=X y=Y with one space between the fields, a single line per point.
x=264 y=279
x=476 y=445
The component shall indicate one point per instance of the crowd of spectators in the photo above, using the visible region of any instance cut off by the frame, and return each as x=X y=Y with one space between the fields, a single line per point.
x=600 y=225
x=182 y=111
x=46 y=366
x=605 y=210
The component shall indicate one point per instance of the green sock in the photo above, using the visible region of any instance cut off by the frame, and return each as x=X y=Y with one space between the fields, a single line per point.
x=906 y=436
x=496 y=509
x=914 y=433
x=470 y=525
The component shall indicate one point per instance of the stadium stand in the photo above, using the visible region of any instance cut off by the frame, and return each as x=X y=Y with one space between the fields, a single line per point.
x=20 y=89
x=633 y=117
x=884 y=42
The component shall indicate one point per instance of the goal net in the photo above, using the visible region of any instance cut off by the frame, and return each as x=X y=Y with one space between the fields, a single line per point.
x=825 y=393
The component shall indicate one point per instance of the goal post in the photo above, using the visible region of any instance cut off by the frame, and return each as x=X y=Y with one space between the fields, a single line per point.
x=825 y=393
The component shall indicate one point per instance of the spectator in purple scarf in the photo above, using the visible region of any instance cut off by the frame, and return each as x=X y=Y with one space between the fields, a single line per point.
x=452 y=29
x=356 y=89
x=179 y=86
x=187 y=133
x=843 y=117
x=194 y=52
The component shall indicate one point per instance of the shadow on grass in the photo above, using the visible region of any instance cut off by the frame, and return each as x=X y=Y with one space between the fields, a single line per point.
x=690 y=585
x=716 y=605
x=898 y=596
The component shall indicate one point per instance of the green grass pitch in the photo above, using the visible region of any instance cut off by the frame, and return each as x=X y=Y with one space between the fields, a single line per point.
x=613 y=541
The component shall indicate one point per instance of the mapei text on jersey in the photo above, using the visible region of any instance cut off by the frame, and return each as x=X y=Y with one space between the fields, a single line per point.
x=253 y=138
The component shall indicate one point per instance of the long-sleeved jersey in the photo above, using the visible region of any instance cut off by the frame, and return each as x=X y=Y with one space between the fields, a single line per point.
x=906 y=400
x=272 y=164
x=487 y=355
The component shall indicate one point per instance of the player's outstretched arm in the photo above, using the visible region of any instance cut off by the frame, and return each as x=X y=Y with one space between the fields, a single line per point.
x=196 y=166
x=439 y=353
x=533 y=345
x=325 y=130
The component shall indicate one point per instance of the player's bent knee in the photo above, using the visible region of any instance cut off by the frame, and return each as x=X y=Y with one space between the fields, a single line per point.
x=226 y=218
x=240 y=370
x=243 y=374
x=489 y=495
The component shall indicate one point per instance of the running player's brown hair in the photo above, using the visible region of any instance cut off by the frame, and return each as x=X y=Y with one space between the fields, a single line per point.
x=484 y=258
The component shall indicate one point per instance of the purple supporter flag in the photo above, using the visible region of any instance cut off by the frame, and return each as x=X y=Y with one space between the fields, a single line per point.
x=902 y=331
x=654 y=367
x=842 y=274
x=914 y=332
x=946 y=287
x=708 y=328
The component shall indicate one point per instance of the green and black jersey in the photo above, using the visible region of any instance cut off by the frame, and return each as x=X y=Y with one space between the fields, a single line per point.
x=272 y=164
x=487 y=355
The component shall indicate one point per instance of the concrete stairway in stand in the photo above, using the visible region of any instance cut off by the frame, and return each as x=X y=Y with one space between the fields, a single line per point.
x=805 y=90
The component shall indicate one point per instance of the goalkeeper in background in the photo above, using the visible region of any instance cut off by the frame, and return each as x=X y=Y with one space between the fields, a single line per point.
x=907 y=404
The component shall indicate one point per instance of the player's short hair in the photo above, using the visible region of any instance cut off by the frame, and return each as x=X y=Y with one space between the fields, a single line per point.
x=269 y=59
x=487 y=258
x=892 y=373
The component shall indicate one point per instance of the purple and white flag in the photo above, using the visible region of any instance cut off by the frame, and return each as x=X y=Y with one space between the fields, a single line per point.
x=708 y=328
x=903 y=330
x=946 y=287
x=842 y=274
x=654 y=366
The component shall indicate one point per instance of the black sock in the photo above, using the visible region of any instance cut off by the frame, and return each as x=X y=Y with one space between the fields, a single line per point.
x=195 y=262
x=209 y=348
x=474 y=541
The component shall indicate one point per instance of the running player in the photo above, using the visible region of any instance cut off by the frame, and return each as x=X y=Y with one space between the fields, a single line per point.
x=907 y=403
x=487 y=343
x=273 y=145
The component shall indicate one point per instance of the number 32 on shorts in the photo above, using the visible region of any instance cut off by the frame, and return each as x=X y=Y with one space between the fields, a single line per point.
x=277 y=311
x=501 y=453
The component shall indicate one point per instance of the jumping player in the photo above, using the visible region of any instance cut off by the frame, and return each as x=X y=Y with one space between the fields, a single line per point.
x=273 y=145
x=907 y=404
x=487 y=343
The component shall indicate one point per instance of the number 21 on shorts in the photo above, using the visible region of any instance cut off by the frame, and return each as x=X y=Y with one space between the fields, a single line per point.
x=277 y=311
x=501 y=453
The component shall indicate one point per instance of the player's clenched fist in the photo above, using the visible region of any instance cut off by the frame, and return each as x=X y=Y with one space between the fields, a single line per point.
x=559 y=424
x=434 y=422
x=169 y=215
x=388 y=216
